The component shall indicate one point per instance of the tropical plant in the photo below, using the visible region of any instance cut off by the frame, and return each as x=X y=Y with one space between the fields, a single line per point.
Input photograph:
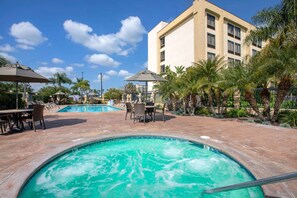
x=81 y=85
x=209 y=74
x=289 y=117
x=240 y=77
x=129 y=88
x=113 y=93
x=59 y=79
x=236 y=113
x=3 y=61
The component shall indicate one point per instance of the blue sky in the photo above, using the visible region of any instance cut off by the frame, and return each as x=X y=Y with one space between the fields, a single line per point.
x=93 y=36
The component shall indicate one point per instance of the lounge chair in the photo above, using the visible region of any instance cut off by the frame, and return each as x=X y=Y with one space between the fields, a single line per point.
x=37 y=115
x=139 y=112
x=129 y=109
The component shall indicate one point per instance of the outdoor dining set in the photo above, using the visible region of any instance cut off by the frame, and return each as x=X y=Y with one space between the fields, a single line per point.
x=141 y=111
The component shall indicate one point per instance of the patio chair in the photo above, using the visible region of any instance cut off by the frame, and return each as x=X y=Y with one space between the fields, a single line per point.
x=129 y=109
x=139 y=112
x=5 y=122
x=37 y=115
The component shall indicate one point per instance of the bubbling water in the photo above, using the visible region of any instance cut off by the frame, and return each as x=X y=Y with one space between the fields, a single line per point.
x=139 y=167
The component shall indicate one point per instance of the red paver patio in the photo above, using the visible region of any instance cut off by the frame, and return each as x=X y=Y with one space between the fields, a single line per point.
x=265 y=150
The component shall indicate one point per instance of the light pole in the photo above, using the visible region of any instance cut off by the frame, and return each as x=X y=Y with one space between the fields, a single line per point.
x=101 y=88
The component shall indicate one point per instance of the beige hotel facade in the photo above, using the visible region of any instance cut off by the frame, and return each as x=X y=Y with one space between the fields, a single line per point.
x=202 y=31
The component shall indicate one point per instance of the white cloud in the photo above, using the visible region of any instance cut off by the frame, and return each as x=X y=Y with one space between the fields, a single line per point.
x=50 y=71
x=120 y=73
x=94 y=66
x=8 y=57
x=112 y=73
x=145 y=65
x=102 y=59
x=77 y=65
x=124 y=73
x=130 y=33
x=26 y=35
x=131 y=30
x=104 y=78
x=57 y=60
x=24 y=47
x=1 y=37
x=6 y=48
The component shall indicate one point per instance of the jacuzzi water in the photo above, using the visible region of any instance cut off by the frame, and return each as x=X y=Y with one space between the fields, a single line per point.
x=89 y=108
x=139 y=167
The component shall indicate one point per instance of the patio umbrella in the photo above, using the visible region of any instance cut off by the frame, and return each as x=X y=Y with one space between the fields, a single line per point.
x=146 y=76
x=60 y=93
x=19 y=73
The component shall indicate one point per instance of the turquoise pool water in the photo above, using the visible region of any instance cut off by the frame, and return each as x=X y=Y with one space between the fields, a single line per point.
x=88 y=108
x=139 y=167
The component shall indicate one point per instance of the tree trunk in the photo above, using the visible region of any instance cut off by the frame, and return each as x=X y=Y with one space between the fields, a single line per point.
x=283 y=89
x=218 y=99
x=265 y=96
x=210 y=103
x=236 y=98
x=253 y=103
x=224 y=103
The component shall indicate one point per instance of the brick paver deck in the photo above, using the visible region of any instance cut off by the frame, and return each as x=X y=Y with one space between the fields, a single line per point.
x=264 y=150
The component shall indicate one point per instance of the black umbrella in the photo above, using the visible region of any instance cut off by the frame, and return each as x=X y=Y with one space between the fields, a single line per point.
x=19 y=73
x=146 y=76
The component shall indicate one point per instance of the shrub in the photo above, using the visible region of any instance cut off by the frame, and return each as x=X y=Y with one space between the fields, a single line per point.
x=8 y=101
x=202 y=111
x=288 y=117
x=236 y=113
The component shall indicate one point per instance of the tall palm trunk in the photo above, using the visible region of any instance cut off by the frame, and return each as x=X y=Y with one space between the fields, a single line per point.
x=283 y=89
x=265 y=96
x=253 y=103
x=218 y=99
x=210 y=100
x=224 y=103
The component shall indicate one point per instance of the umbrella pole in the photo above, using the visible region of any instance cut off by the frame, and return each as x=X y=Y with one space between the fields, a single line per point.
x=17 y=96
x=146 y=91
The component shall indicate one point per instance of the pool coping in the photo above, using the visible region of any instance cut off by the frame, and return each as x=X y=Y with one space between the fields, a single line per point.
x=23 y=178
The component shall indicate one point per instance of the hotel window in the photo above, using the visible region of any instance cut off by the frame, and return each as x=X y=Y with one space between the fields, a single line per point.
x=211 y=22
x=231 y=47
x=230 y=30
x=230 y=61
x=254 y=52
x=211 y=40
x=162 y=56
x=237 y=61
x=237 y=33
x=162 y=42
x=257 y=43
x=210 y=55
x=237 y=49
x=163 y=69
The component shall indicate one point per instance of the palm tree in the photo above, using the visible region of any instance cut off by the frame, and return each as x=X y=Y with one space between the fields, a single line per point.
x=59 y=79
x=81 y=85
x=169 y=89
x=3 y=61
x=209 y=73
x=241 y=77
x=276 y=23
x=282 y=64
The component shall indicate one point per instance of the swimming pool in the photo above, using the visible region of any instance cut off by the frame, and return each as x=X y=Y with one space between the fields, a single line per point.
x=89 y=108
x=139 y=167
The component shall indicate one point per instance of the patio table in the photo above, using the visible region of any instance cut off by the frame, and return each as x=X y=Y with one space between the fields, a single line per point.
x=16 y=113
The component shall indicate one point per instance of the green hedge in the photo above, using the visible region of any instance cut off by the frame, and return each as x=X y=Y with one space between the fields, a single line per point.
x=8 y=101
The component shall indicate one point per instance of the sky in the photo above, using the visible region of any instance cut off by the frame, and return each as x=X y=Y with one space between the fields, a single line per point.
x=89 y=37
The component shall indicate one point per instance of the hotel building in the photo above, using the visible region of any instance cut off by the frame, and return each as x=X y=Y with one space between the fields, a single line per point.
x=202 y=31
